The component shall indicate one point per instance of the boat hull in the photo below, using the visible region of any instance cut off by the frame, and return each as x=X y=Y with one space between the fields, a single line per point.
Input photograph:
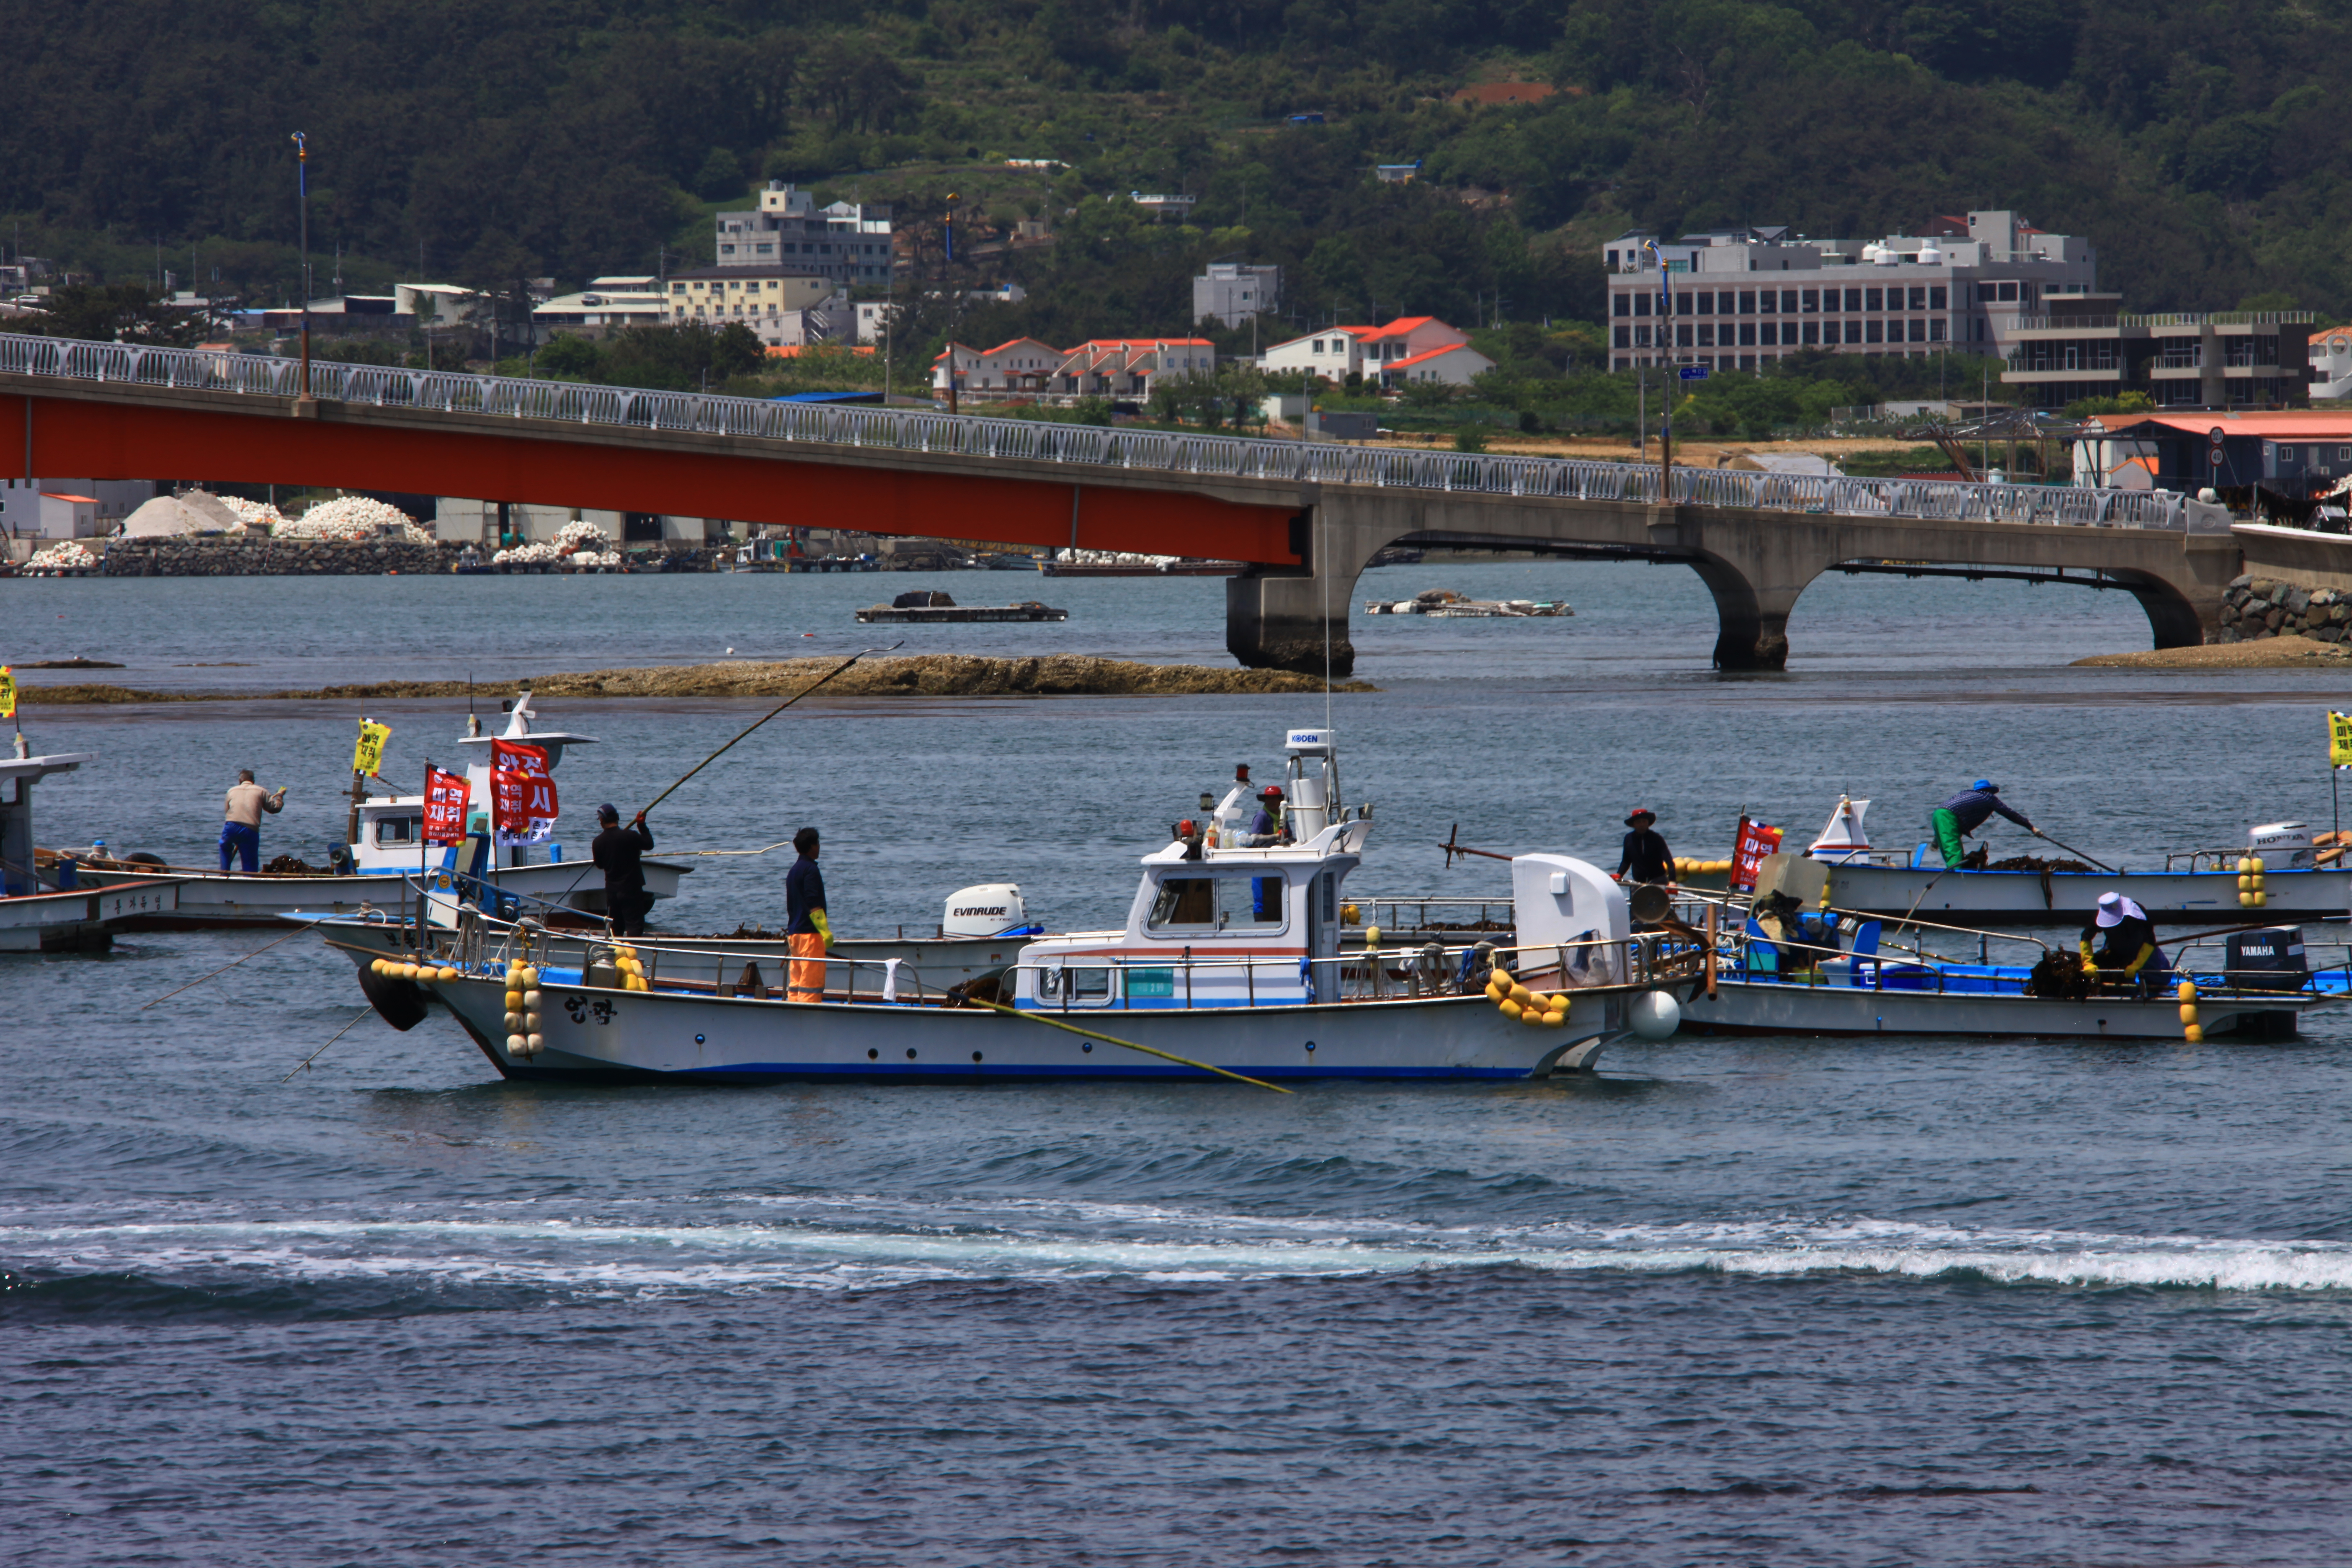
x=595 y=1034
x=210 y=899
x=1775 y=1007
x=931 y=965
x=2069 y=898
x=81 y=920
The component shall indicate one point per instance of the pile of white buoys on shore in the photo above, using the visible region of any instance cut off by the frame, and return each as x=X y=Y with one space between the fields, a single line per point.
x=255 y=514
x=576 y=544
x=65 y=556
x=352 y=518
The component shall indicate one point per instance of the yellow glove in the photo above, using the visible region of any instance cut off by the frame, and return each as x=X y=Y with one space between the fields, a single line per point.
x=824 y=926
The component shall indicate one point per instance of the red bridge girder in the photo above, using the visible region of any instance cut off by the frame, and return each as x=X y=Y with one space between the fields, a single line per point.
x=96 y=431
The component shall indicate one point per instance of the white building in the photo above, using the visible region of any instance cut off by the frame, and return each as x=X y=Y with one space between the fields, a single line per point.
x=1458 y=364
x=1105 y=367
x=845 y=243
x=1232 y=292
x=1741 y=297
x=68 y=508
x=1337 y=352
x=606 y=303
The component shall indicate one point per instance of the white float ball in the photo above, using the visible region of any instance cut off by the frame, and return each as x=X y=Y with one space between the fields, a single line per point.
x=1656 y=1015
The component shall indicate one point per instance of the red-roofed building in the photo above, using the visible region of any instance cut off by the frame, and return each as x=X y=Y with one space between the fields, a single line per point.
x=1337 y=352
x=1103 y=367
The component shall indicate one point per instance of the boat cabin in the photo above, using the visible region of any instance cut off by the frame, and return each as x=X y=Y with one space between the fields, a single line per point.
x=388 y=838
x=1223 y=917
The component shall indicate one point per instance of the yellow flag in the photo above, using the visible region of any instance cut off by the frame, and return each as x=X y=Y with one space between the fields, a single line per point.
x=368 y=757
x=7 y=692
x=2339 y=740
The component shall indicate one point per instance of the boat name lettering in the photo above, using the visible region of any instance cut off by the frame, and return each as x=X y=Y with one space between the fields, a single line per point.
x=582 y=1009
x=1151 y=983
x=977 y=910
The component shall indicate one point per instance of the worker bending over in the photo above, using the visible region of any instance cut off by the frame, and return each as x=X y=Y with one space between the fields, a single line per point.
x=240 y=835
x=805 y=926
x=1965 y=813
x=2130 y=957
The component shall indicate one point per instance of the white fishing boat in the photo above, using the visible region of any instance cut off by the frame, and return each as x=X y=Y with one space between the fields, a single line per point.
x=384 y=843
x=2298 y=879
x=39 y=918
x=980 y=934
x=1230 y=962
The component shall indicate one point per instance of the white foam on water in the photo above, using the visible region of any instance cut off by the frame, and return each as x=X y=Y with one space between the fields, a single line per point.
x=1163 y=1246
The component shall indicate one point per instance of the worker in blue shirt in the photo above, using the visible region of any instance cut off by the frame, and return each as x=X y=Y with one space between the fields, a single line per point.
x=807 y=928
x=1965 y=813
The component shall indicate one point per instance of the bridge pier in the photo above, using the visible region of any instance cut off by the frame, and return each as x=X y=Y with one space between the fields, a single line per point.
x=1282 y=619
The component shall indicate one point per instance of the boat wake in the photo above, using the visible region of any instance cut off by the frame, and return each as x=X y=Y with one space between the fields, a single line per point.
x=761 y=1244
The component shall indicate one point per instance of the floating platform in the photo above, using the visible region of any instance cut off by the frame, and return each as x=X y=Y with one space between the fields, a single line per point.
x=926 y=614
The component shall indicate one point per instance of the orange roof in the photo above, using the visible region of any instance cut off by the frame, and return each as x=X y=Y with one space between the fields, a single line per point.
x=2330 y=333
x=2326 y=424
x=1427 y=354
x=792 y=351
x=53 y=495
x=1402 y=327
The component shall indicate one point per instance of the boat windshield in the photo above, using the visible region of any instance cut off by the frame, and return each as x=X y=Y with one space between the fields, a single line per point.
x=1216 y=902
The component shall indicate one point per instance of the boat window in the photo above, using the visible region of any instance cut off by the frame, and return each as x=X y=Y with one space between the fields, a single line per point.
x=1089 y=985
x=397 y=829
x=1219 y=903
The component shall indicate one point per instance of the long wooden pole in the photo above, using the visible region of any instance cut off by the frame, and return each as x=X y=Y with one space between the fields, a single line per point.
x=1130 y=1044
x=772 y=712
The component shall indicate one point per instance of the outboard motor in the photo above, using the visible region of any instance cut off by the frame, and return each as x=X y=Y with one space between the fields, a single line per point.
x=2271 y=960
x=989 y=909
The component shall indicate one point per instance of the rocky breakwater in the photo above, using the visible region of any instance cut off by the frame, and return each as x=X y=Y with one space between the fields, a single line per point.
x=216 y=556
x=2258 y=607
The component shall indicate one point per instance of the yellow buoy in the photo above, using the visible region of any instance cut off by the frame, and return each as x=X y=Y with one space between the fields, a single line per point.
x=1351 y=915
x=2193 y=1034
x=2245 y=884
x=1497 y=990
x=1510 y=1008
x=2189 y=1012
x=528 y=975
x=531 y=1023
x=375 y=966
x=2255 y=866
x=2188 y=992
x=1532 y=1017
x=1554 y=1020
x=2260 y=898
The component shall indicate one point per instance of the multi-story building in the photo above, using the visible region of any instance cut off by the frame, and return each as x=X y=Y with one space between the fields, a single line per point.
x=1232 y=292
x=606 y=303
x=1741 y=297
x=845 y=243
x=781 y=304
x=2084 y=345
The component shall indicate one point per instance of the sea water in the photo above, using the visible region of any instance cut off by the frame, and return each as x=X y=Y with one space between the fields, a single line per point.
x=1759 y=1301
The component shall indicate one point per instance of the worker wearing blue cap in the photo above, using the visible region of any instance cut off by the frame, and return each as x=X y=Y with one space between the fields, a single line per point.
x=1965 y=813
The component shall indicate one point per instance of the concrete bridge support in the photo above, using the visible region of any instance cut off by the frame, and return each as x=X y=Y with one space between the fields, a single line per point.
x=1756 y=564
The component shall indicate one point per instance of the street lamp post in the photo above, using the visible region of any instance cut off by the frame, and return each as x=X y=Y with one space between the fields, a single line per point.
x=302 y=185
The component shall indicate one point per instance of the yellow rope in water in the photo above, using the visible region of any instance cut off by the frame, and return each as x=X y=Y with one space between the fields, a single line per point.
x=1130 y=1044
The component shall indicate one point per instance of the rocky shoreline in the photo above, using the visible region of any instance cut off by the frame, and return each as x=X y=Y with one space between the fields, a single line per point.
x=929 y=675
x=218 y=556
x=2254 y=608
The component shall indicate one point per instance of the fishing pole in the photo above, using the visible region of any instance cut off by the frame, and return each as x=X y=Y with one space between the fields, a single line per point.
x=321 y=1051
x=224 y=968
x=1130 y=1045
x=779 y=708
x=2078 y=855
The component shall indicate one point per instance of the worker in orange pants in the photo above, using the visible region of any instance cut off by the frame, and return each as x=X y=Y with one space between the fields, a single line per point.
x=805 y=926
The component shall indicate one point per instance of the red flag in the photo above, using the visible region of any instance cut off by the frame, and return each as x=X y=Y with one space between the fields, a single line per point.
x=522 y=795
x=1757 y=839
x=445 y=807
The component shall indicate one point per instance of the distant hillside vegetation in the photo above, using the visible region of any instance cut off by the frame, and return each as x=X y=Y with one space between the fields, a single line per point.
x=2194 y=146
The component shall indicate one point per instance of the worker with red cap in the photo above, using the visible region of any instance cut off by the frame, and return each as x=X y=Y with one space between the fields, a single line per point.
x=1266 y=828
x=1646 y=857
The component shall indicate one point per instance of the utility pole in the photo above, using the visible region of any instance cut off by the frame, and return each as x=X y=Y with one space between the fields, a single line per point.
x=302 y=182
x=1665 y=383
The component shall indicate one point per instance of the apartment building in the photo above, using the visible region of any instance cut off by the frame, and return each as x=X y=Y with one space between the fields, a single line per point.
x=781 y=305
x=2085 y=345
x=845 y=244
x=1231 y=292
x=1738 y=299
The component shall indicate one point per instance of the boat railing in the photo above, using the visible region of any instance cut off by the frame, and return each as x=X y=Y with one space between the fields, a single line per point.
x=2327 y=857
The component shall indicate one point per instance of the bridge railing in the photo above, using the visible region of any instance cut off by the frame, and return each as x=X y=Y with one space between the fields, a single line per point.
x=1086 y=446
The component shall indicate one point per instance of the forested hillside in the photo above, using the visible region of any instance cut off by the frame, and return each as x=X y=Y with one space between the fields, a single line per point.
x=2196 y=146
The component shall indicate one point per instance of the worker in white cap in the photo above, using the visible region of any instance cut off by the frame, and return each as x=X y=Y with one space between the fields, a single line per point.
x=2130 y=956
